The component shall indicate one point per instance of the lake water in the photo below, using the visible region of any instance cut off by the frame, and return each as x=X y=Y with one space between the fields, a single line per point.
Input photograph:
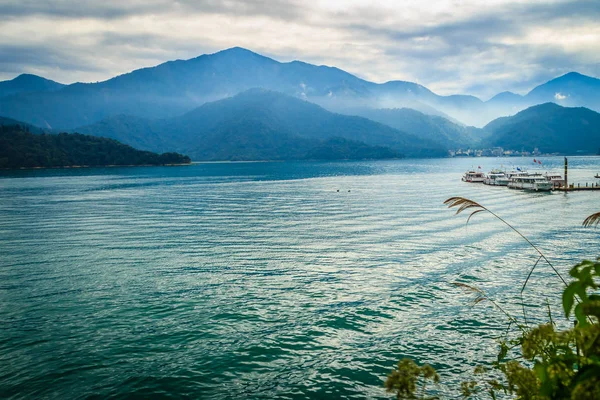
x=262 y=280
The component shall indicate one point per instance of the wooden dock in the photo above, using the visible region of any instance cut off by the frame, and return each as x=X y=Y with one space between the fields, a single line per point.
x=579 y=187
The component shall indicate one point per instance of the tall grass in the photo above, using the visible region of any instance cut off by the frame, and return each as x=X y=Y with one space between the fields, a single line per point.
x=550 y=364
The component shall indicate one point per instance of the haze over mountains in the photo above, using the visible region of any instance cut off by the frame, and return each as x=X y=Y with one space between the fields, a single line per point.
x=257 y=124
x=549 y=127
x=175 y=87
x=210 y=108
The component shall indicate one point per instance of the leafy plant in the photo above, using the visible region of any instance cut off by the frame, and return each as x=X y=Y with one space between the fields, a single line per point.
x=550 y=363
x=404 y=380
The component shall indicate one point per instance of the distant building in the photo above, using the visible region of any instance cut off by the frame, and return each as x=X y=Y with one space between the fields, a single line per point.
x=497 y=151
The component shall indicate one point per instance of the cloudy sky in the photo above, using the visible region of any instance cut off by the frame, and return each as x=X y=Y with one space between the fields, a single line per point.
x=451 y=46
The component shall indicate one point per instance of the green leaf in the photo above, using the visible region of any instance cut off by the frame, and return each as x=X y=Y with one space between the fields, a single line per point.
x=581 y=317
x=503 y=351
x=568 y=298
x=545 y=382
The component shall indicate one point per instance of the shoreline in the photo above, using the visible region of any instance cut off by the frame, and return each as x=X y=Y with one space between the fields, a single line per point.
x=96 y=166
x=277 y=161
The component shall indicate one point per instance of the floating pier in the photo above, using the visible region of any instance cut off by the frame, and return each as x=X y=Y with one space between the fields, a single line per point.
x=578 y=187
x=574 y=188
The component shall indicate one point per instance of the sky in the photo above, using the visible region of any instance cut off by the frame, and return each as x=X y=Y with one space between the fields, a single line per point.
x=451 y=46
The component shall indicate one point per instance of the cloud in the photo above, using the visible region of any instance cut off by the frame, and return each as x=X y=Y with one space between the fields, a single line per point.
x=449 y=47
x=113 y=9
x=559 y=96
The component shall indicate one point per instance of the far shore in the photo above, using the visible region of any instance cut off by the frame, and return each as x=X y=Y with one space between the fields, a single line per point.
x=97 y=166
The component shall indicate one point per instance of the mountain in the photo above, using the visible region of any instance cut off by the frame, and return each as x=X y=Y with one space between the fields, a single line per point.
x=505 y=98
x=549 y=127
x=429 y=127
x=27 y=83
x=257 y=124
x=175 y=87
x=22 y=149
x=570 y=90
x=27 y=127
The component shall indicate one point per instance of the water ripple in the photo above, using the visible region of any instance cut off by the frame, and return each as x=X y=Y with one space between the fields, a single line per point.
x=264 y=280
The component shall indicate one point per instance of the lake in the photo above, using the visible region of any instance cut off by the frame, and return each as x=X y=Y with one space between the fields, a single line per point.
x=268 y=280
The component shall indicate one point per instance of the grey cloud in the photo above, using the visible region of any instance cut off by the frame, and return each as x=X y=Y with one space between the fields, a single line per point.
x=110 y=9
x=151 y=46
x=12 y=58
x=482 y=30
x=472 y=49
x=462 y=54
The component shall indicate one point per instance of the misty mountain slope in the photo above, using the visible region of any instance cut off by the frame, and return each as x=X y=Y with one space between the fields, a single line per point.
x=141 y=133
x=505 y=98
x=570 y=90
x=549 y=127
x=428 y=127
x=27 y=83
x=175 y=87
x=289 y=114
x=250 y=139
x=13 y=122
x=506 y=103
x=264 y=121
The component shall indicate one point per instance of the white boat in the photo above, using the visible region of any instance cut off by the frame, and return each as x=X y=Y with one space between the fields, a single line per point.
x=556 y=179
x=473 y=177
x=496 y=177
x=536 y=182
x=519 y=172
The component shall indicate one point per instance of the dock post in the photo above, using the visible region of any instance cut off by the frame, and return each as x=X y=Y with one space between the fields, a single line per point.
x=566 y=179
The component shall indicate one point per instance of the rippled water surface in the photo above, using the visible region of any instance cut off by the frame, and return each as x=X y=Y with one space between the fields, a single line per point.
x=262 y=280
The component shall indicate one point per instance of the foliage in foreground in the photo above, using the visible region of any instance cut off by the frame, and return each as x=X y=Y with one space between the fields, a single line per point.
x=550 y=363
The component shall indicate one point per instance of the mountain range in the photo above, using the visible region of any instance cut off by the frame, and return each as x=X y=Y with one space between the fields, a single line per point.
x=239 y=105
x=257 y=124
x=176 y=87
x=549 y=127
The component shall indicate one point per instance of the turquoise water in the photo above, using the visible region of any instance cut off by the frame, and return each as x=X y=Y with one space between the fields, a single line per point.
x=262 y=280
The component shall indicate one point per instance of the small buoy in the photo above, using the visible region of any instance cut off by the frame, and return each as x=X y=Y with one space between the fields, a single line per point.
x=348 y=191
x=338 y=190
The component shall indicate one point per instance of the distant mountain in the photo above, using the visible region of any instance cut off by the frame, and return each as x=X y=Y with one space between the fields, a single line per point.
x=27 y=83
x=429 y=127
x=22 y=149
x=176 y=87
x=505 y=97
x=257 y=125
x=549 y=127
x=27 y=127
x=141 y=133
x=570 y=90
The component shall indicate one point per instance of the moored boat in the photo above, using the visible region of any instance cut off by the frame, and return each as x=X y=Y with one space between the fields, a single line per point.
x=473 y=177
x=496 y=177
x=556 y=179
x=518 y=172
x=535 y=182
